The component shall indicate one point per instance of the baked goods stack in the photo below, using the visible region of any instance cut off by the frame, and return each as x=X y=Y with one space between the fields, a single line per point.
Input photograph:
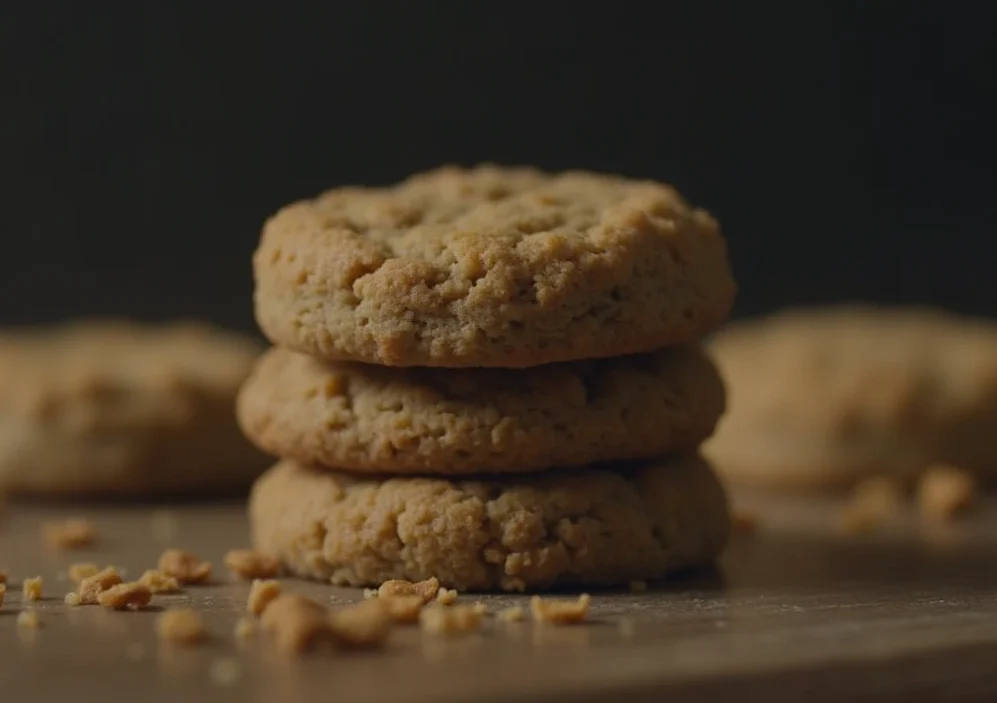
x=488 y=376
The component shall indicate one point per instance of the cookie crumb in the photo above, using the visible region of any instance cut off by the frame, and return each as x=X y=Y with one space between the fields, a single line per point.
x=3 y=592
x=872 y=501
x=165 y=526
x=369 y=593
x=78 y=572
x=250 y=564
x=125 y=596
x=480 y=608
x=361 y=625
x=245 y=628
x=32 y=588
x=450 y=620
x=560 y=612
x=184 y=566
x=158 y=582
x=28 y=620
x=72 y=599
x=3 y=576
x=92 y=586
x=403 y=609
x=638 y=586
x=181 y=626
x=427 y=589
x=446 y=596
x=135 y=652
x=511 y=614
x=945 y=492
x=69 y=534
x=743 y=523
x=225 y=672
x=261 y=594
x=296 y=623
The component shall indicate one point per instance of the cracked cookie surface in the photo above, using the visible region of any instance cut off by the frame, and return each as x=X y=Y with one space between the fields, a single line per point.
x=121 y=407
x=491 y=266
x=602 y=525
x=823 y=397
x=457 y=421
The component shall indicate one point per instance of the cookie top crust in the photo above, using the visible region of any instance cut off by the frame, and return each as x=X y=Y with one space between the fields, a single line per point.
x=491 y=266
x=370 y=418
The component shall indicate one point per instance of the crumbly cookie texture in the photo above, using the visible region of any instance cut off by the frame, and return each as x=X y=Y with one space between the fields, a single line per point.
x=116 y=407
x=822 y=398
x=491 y=266
x=457 y=421
x=582 y=526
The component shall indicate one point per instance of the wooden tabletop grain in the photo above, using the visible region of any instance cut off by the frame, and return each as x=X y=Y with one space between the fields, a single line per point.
x=795 y=611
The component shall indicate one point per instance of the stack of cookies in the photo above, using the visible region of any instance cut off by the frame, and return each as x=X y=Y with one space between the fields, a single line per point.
x=489 y=376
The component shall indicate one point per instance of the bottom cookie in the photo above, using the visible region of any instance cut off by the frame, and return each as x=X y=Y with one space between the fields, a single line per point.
x=597 y=526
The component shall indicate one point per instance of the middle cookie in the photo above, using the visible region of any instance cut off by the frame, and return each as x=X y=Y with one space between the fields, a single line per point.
x=458 y=421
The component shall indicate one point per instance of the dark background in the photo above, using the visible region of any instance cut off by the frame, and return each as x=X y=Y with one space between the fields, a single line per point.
x=847 y=148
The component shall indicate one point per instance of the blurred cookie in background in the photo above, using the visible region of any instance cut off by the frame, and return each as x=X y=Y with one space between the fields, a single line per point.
x=822 y=397
x=115 y=407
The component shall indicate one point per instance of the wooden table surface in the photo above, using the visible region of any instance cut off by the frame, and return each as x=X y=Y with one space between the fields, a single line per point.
x=793 y=612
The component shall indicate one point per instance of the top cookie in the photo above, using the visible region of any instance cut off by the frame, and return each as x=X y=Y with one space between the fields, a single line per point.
x=491 y=266
x=112 y=407
x=824 y=397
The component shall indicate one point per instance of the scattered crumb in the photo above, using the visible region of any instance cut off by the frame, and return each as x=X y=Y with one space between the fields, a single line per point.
x=743 y=523
x=402 y=609
x=225 y=672
x=450 y=620
x=250 y=564
x=880 y=495
x=3 y=592
x=92 y=586
x=945 y=492
x=158 y=582
x=70 y=534
x=245 y=628
x=261 y=594
x=296 y=623
x=446 y=596
x=28 y=619
x=184 y=566
x=125 y=596
x=165 y=526
x=627 y=628
x=638 y=586
x=72 y=599
x=3 y=576
x=560 y=612
x=32 y=588
x=361 y=625
x=181 y=626
x=480 y=608
x=369 y=593
x=78 y=572
x=135 y=652
x=512 y=614
x=427 y=589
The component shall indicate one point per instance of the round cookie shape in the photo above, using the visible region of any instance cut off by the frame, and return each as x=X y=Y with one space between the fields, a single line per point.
x=822 y=397
x=491 y=266
x=456 y=421
x=105 y=407
x=598 y=526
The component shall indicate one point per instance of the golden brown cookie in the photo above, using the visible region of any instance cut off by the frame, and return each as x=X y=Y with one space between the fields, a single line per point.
x=116 y=407
x=456 y=421
x=491 y=266
x=824 y=397
x=605 y=525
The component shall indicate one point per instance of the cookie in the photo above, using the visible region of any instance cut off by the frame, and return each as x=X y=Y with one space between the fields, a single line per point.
x=598 y=526
x=456 y=421
x=491 y=266
x=821 y=398
x=116 y=407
